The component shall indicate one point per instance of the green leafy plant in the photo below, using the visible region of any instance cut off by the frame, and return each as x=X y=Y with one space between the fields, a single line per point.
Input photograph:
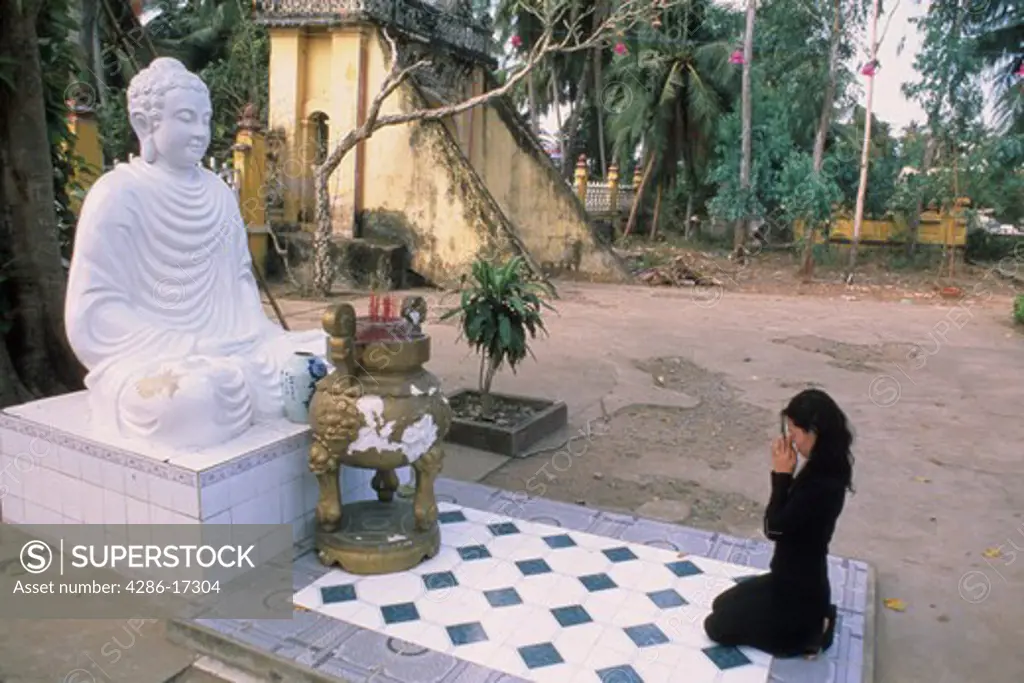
x=1018 y=309
x=498 y=308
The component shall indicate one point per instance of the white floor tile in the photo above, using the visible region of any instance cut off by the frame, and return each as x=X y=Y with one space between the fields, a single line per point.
x=508 y=595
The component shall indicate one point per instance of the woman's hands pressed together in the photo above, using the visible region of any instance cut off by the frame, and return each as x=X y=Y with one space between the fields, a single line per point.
x=783 y=456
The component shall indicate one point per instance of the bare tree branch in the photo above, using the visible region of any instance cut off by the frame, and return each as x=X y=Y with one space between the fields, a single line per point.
x=395 y=77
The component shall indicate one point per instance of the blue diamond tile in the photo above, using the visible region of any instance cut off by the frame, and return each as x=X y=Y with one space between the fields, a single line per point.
x=503 y=597
x=597 y=582
x=667 y=599
x=646 y=635
x=573 y=615
x=503 y=529
x=439 y=580
x=726 y=656
x=560 y=541
x=540 y=655
x=474 y=552
x=533 y=567
x=333 y=594
x=619 y=554
x=684 y=568
x=465 y=634
x=451 y=517
x=402 y=612
x=619 y=674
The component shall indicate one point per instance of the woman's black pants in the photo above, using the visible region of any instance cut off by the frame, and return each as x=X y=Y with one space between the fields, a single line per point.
x=756 y=613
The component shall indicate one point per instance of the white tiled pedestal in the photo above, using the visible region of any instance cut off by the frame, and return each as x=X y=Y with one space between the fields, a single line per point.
x=55 y=469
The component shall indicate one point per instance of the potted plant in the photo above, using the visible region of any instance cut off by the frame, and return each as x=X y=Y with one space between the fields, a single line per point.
x=500 y=312
x=1018 y=309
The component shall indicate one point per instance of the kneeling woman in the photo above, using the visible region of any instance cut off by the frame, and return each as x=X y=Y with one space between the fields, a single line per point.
x=788 y=612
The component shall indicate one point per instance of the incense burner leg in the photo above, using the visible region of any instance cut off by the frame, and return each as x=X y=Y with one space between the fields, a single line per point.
x=328 y=507
x=385 y=483
x=424 y=504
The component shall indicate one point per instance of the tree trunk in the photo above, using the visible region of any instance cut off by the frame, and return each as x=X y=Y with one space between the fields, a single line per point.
x=91 y=47
x=858 y=216
x=638 y=197
x=35 y=359
x=739 y=237
x=599 y=113
x=572 y=126
x=531 y=94
x=486 y=398
x=657 y=213
x=820 y=137
x=323 y=269
x=689 y=213
x=559 y=130
x=915 y=219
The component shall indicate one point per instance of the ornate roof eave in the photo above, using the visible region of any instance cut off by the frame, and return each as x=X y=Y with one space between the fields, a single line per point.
x=413 y=19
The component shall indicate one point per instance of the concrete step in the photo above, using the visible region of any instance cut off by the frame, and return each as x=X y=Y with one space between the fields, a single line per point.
x=209 y=670
x=237 y=661
x=194 y=675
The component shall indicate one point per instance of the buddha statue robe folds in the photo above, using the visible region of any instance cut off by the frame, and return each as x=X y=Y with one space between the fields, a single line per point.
x=162 y=305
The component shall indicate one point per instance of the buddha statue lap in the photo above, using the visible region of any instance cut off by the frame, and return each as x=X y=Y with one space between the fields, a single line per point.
x=162 y=306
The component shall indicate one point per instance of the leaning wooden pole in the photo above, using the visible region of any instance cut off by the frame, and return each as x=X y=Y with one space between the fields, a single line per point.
x=858 y=217
x=262 y=282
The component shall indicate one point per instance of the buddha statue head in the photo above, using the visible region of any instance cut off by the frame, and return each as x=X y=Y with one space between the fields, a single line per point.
x=169 y=109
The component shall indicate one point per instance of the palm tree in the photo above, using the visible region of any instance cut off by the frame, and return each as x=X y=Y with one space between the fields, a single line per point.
x=999 y=36
x=672 y=94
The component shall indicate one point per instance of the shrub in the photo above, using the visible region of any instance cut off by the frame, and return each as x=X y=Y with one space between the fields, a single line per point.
x=498 y=309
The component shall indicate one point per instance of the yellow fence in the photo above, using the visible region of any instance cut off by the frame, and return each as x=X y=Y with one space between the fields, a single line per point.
x=933 y=229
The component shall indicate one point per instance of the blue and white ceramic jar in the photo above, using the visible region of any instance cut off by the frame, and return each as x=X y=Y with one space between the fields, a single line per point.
x=298 y=383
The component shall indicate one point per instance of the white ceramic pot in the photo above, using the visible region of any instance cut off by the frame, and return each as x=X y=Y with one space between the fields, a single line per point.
x=298 y=383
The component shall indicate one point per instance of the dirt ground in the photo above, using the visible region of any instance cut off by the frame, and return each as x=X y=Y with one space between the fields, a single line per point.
x=691 y=383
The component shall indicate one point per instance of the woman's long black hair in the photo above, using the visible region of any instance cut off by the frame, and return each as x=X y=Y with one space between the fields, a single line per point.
x=815 y=411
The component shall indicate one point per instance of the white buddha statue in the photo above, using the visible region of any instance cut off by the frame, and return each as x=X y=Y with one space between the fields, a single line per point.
x=162 y=306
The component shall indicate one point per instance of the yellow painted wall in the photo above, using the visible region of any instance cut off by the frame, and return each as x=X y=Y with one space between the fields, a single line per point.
x=89 y=148
x=409 y=172
x=249 y=162
x=287 y=88
x=534 y=196
x=933 y=229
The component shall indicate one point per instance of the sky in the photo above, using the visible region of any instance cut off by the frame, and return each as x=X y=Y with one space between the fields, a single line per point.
x=889 y=103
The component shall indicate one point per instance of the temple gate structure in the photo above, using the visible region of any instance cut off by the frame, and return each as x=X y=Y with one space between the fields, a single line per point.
x=476 y=184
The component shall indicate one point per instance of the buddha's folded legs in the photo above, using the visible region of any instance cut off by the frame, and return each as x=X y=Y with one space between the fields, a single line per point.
x=191 y=403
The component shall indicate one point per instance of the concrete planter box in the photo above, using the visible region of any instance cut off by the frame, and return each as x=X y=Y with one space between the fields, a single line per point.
x=513 y=441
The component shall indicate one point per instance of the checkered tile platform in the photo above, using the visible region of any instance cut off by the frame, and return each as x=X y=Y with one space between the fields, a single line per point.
x=549 y=604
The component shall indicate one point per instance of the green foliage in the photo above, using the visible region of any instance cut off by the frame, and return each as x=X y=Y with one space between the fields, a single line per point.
x=806 y=195
x=1018 y=309
x=498 y=309
x=985 y=247
x=772 y=145
x=668 y=91
x=118 y=138
x=217 y=40
x=241 y=76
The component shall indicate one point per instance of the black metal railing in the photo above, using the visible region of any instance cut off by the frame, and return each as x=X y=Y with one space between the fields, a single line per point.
x=413 y=17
